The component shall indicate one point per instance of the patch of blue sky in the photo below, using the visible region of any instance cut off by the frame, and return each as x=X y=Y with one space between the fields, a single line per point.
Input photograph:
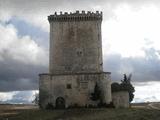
x=24 y=28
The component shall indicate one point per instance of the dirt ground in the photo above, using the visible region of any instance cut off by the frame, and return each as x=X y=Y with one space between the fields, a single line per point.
x=9 y=109
x=141 y=111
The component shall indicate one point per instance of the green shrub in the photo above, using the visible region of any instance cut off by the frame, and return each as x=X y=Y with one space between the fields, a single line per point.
x=125 y=85
x=96 y=95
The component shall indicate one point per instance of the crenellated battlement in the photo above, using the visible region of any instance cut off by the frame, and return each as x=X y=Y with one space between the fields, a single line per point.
x=76 y=16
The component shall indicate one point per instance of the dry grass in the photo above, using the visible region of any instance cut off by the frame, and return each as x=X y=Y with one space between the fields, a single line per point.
x=25 y=112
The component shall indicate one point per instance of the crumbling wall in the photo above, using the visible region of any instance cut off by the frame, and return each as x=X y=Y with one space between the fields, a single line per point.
x=120 y=99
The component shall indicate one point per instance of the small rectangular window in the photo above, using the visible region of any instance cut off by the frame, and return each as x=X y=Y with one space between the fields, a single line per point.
x=69 y=86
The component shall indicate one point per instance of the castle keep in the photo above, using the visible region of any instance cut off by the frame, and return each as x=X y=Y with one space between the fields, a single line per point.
x=75 y=63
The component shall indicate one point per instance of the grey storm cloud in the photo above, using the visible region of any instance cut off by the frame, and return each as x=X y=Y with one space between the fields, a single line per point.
x=15 y=75
x=36 y=11
x=143 y=69
x=54 y=3
x=49 y=6
x=19 y=75
x=21 y=60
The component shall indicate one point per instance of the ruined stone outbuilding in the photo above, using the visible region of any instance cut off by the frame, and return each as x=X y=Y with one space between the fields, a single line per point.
x=120 y=99
x=75 y=61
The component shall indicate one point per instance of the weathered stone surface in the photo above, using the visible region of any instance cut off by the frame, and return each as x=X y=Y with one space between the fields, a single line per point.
x=120 y=99
x=75 y=46
x=75 y=64
x=82 y=85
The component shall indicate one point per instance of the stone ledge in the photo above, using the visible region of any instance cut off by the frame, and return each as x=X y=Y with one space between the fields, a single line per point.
x=75 y=73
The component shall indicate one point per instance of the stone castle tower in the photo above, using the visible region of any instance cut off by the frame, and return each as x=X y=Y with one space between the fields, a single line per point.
x=75 y=64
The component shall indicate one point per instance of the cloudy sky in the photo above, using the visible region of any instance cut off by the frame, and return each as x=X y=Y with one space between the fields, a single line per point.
x=130 y=33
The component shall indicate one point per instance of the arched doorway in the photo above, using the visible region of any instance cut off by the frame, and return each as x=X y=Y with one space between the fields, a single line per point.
x=60 y=103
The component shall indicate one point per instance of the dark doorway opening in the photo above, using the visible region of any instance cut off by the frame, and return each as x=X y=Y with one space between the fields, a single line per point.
x=60 y=103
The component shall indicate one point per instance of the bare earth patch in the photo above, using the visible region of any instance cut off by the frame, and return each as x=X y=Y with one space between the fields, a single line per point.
x=12 y=109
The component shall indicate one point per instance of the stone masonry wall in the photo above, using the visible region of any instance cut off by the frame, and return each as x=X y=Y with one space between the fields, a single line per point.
x=75 y=44
x=120 y=99
x=75 y=63
x=82 y=85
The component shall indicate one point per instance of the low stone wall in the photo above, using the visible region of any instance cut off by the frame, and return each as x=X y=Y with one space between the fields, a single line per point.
x=120 y=99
